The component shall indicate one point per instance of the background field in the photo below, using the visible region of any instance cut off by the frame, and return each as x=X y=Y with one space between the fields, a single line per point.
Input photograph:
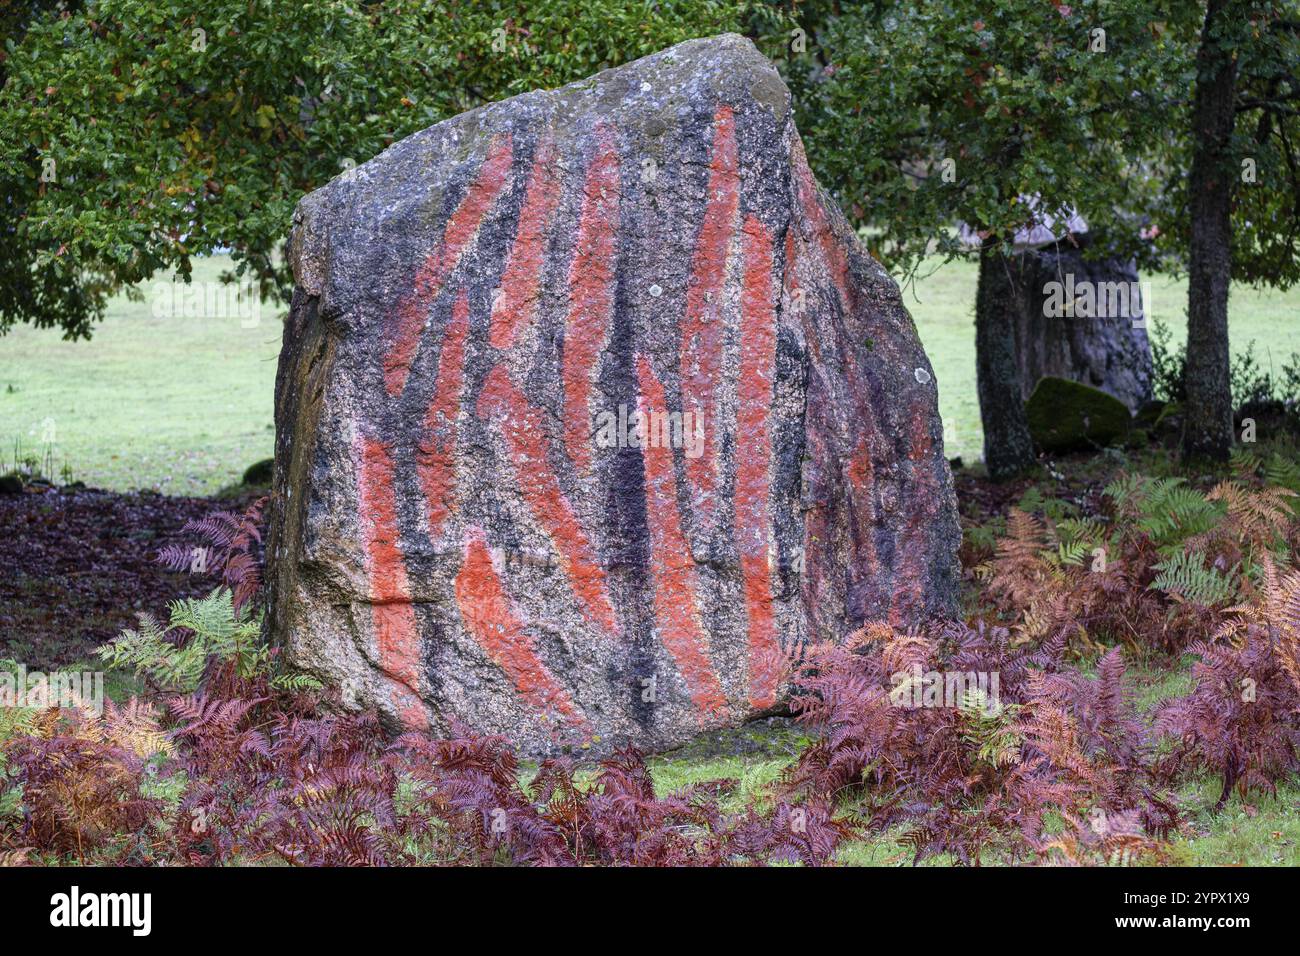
x=180 y=405
x=184 y=405
x=943 y=304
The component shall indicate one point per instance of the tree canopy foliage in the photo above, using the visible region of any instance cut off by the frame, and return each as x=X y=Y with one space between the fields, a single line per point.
x=925 y=114
x=137 y=135
x=1263 y=156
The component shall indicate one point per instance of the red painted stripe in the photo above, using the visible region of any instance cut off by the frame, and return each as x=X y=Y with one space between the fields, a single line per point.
x=396 y=637
x=521 y=282
x=753 y=455
x=485 y=609
x=875 y=585
x=413 y=309
x=860 y=479
x=673 y=569
x=837 y=264
x=591 y=295
x=436 y=457
x=702 y=326
x=525 y=430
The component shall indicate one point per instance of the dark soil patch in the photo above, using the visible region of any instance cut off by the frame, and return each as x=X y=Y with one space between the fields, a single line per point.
x=77 y=565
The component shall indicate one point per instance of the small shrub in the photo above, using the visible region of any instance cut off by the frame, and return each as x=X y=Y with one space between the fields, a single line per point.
x=259 y=473
x=1241 y=721
x=1254 y=389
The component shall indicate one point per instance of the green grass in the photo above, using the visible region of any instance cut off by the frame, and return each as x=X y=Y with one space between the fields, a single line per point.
x=184 y=405
x=755 y=777
x=1260 y=831
x=178 y=405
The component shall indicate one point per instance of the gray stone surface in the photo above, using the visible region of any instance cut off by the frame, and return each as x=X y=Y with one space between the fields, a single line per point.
x=1102 y=343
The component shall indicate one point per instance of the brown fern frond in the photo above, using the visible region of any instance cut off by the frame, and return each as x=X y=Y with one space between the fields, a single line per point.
x=135 y=727
x=1258 y=515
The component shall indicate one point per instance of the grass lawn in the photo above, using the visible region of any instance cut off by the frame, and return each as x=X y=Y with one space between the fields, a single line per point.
x=184 y=405
x=179 y=405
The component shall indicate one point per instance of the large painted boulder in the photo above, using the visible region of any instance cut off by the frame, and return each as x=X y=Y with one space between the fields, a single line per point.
x=592 y=413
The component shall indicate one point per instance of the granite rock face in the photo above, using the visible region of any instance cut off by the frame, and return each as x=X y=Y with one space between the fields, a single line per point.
x=1099 y=338
x=592 y=412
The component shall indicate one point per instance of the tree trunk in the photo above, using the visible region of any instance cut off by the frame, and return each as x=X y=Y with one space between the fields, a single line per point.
x=1008 y=449
x=1207 y=417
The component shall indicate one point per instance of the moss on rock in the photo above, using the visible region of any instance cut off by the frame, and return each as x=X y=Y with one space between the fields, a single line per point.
x=1065 y=415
